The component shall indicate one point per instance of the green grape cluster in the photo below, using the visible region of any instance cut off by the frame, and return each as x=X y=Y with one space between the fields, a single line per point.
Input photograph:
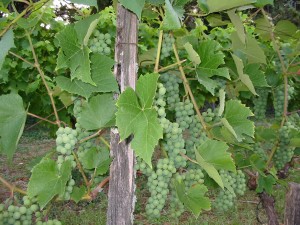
x=184 y=112
x=100 y=43
x=158 y=184
x=225 y=200
x=26 y=213
x=211 y=115
x=159 y=102
x=192 y=177
x=260 y=103
x=68 y=190
x=257 y=149
x=278 y=100
x=176 y=207
x=284 y=152
x=237 y=181
x=167 y=46
x=171 y=83
x=174 y=144
x=142 y=166
x=66 y=140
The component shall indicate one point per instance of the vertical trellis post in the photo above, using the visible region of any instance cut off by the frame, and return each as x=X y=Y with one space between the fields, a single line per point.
x=292 y=205
x=121 y=197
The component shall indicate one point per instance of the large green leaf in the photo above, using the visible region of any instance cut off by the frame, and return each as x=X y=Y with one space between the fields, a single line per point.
x=85 y=27
x=101 y=75
x=237 y=116
x=174 y=14
x=6 y=43
x=194 y=198
x=243 y=77
x=285 y=29
x=12 y=121
x=256 y=75
x=221 y=5
x=211 y=58
x=192 y=54
x=48 y=181
x=215 y=153
x=263 y=28
x=252 y=51
x=78 y=193
x=137 y=116
x=96 y=158
x=135 y=6
x=98 y=113
x=238 y=24
x=266 y=184
x=73 y=55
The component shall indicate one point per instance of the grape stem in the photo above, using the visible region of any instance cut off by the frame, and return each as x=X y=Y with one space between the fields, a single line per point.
x=41 y=72
x=98 y=133
x=188 y=158
x=20 y=57
x=87 y=183
x=170 y=66
x=41 y=118
x=12 y=187
x=95 y=192
x=158 y=51
x=188 y=89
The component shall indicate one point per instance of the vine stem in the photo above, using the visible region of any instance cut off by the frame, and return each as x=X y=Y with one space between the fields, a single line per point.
x=99 y=187
x=23 y=13
x=188 y=88
x=20 y=57
x=12 y=187
x=171 y=66
x=188 y=158
x=87 y=183
x=284 y=70
x=272 y=154
x=41 y=72
x=98 y=133
x=158 y=51
x=41 y=118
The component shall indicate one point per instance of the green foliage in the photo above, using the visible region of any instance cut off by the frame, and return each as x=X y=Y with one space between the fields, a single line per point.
x=137 y=116
x=48 y=181
x=135 y=6
x=193 y=198
x=12 y=121
x=6 y=43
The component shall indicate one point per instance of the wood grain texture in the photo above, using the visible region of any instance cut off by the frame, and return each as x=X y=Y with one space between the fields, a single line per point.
x=292 y=205
x=121 y=194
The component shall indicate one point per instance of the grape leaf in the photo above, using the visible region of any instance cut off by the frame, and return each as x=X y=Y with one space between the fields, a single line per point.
x=285 y=29
x=237 y=116
x=47 y=180
x=265 y=184
x=136 y=116
x=219 y=158
x=210 y=169
x=96 y=158
x=263 y=28
x=256 y=75
x=73 y=55
x=238 y=24
x=78 y=193
x=243 y=77
x=194 y=198
x=262 y=3
x=6 y=43
x=192 y=54
x=174 y=14
x=135 y=6
x=155 y=2
x=98 y=113
x=222 y=97
x=12 y=121
x=101 y=75
x=220 y=5
x=252 y=51
x=85 y=27
x=211 y=59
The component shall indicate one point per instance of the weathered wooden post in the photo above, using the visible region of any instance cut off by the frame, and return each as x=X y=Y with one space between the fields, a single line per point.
x=292 y=205
x=121 y=196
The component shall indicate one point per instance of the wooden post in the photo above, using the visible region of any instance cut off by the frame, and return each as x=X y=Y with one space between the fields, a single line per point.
x=121 y=196
x=268 y=203
x=292 y=205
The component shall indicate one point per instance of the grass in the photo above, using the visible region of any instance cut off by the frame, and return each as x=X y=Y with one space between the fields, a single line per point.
x=34 y=145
